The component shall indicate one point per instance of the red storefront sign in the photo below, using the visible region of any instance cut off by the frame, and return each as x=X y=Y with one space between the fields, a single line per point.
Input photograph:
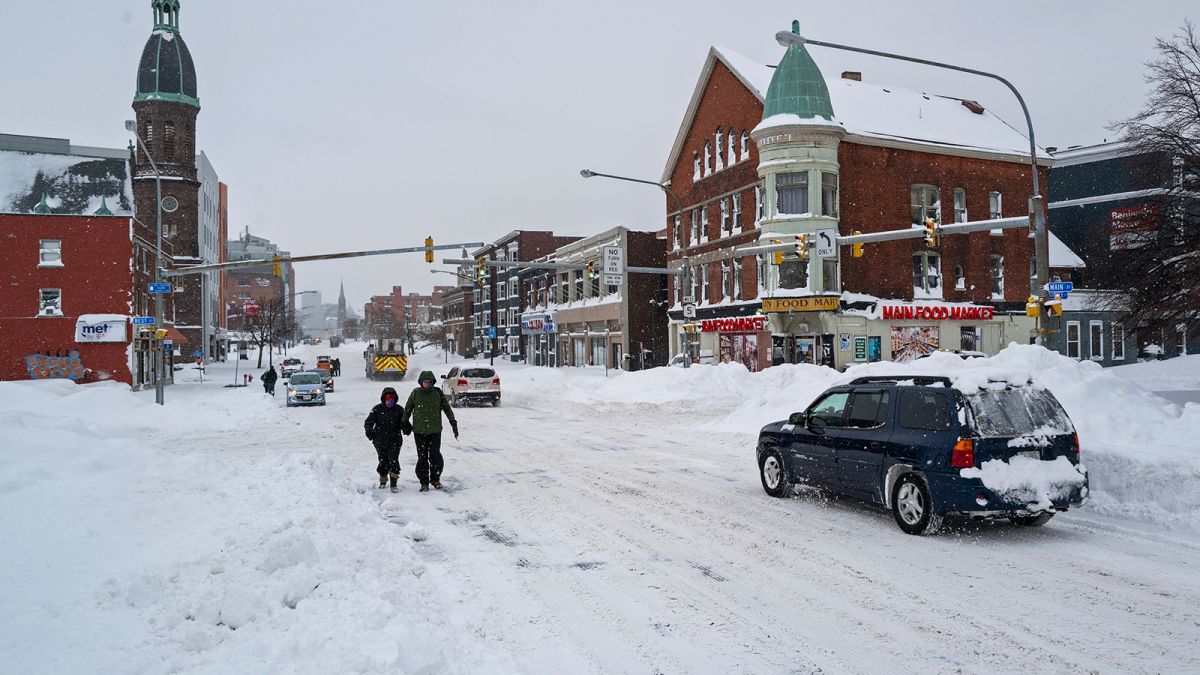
x=742 y=324
x=938 y=312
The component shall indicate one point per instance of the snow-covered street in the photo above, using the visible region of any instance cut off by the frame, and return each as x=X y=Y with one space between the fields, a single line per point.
x=590 y=524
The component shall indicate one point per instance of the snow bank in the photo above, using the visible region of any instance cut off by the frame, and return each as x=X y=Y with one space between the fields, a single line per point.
x=1029 y=480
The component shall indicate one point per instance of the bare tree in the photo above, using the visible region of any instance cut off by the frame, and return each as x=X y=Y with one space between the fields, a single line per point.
x=1161 y=273
x=273 y=321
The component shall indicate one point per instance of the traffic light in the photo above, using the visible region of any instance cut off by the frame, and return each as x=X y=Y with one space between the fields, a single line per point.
x=591 y=269
x=481 y=268
x=931 y=233
x=801 y=247
x=1054 y=307
x=278 y=270
x=1033 y=306
x=856 y=249
x=428 y=249
x=778 y=254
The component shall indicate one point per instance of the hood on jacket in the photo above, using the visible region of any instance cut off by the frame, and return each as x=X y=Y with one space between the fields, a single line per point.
x=386 y=391
x=427 y=375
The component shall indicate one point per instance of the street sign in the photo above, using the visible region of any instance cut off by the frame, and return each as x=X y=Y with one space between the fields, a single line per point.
x=491 y=332
x=614 y=265
x=689 y=310
x=143 y=321
x=689 y=299
x=160 y=287
x=1062 y=287
x=197 y=353
x=825 y=244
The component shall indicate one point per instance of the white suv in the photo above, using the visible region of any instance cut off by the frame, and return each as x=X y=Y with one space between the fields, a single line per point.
x=471 y=383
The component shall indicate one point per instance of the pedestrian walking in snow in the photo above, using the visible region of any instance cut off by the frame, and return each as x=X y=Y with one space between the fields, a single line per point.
x=386 y=425
x=337 y=367
x=424 y=410
x=268 y=379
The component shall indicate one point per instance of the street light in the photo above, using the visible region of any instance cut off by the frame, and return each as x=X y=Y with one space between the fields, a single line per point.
x=159 y=361
x=1036 y=203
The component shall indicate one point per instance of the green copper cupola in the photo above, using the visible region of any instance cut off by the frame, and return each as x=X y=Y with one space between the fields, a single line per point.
x=166 y=71
x=798 y=87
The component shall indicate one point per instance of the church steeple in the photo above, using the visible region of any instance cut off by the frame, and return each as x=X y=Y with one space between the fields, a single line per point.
x=341 y=305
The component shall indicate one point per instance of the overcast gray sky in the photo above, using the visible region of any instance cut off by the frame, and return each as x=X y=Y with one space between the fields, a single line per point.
x=349 y=125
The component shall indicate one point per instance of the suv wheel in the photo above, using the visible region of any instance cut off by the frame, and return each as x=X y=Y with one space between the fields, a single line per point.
x=773 y=473
x=1032 y=521
x=912 y=505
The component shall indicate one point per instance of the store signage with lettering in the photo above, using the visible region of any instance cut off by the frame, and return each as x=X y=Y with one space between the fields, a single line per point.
x=100 y=328
x=743 y=324
x=908 y=312
x=825 y=303
x=539 y=323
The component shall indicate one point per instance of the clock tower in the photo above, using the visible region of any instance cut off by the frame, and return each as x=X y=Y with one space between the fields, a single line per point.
x=166 y=104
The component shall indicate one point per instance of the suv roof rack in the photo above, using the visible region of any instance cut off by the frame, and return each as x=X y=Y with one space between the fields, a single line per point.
x=919 y=380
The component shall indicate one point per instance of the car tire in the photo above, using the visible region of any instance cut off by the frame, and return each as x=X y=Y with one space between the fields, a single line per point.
x=496 y=402
x=1032 y=521
x=912 y=505
x=773 y=473
x=454 y=403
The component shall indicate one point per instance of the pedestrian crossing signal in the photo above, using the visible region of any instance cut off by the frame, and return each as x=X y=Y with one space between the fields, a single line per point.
x=428 y=249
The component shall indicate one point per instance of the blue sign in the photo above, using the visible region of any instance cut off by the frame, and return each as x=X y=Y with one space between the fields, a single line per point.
x=160 y=287
x=491 y=332
x=1062 y=287
x=143 y=320
x=197 y=353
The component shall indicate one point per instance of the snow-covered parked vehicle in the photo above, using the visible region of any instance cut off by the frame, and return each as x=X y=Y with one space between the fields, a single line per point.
x=925 y=448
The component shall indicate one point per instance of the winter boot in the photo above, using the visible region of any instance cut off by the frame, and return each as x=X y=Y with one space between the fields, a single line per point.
x=394 y=477
x=437 y=485
x=424 y=487
x=382 y=480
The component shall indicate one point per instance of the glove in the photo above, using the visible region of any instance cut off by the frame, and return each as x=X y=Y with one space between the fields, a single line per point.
x=406 y=429
x=454 y=426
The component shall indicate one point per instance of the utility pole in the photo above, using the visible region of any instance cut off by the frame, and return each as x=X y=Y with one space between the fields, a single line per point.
x=159 y=358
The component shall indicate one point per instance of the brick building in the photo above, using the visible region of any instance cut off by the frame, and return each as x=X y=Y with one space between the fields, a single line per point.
x=68 y=292
x=458 y=317
x=766 y=154
x=247 y=289
x=571 y=319
x=500 y=298
x=399 y=313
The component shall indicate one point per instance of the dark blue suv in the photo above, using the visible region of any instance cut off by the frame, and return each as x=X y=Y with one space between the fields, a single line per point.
x=925 y=449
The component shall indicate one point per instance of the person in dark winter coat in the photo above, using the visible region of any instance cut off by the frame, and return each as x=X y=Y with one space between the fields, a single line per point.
x=337 y=367
x=385 y=426
x=268 y=380
x=424 y=410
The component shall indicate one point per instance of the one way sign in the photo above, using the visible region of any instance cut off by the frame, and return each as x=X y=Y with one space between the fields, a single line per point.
x=825 y=244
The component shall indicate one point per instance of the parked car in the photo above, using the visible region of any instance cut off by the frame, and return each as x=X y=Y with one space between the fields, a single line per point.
x=326 y=378
x=471 y=383
x=289 y=367
x=705 y=358
x=305 y=388
x=962 y=354
x=918 y=445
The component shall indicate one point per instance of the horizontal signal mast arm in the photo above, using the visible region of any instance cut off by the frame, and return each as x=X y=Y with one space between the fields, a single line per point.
x=196 y=269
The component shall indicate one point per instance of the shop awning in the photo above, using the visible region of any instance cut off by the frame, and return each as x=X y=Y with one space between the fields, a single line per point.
x=175 y=336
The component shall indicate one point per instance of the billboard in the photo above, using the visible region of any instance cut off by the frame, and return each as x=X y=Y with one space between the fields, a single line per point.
x=909 y=342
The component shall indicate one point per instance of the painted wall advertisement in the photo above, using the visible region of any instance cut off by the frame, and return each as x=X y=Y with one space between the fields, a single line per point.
x=1132 y=227
x=100 y=328
x=909 y=342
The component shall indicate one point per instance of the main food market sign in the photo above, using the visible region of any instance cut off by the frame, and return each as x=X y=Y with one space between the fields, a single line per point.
x=742 y=324
x=819 y=303
x=914 y=312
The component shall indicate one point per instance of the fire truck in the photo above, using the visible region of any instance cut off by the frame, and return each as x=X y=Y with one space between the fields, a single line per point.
x=385 y=359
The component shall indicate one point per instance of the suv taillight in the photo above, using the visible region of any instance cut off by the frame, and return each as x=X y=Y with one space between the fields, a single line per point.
x=461 y=382
x=963 y=455
x=1075 y=440
x=495 y=380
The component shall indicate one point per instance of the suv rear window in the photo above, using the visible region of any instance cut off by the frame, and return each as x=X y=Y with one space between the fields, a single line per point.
x=478 y=372
x=1016 y=411
x=924 y=410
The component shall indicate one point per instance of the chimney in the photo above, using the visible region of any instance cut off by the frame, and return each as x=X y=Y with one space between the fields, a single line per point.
x=973 y=106
x=852 y=75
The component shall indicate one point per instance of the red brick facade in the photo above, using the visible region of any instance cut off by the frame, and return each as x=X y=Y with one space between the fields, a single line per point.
x=94 y=278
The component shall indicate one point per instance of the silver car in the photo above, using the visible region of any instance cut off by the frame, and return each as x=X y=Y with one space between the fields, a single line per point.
x=305 y=388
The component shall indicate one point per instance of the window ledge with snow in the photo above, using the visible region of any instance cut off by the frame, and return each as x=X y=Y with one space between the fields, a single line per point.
x=50 y=313
x=52 y=263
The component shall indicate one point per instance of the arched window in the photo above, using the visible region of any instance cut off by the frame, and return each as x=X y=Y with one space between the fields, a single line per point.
x=720 y=148
x=732 y=154
x=169 y=141
x=707 y=157
x=696 y=166
x=745 y=145
x=148 y=134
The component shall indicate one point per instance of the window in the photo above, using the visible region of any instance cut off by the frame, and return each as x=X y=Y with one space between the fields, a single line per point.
x=50 y=253
x=677 y=232
x=829 y=194
x=960 y=278
x=737 y=211
x=1096 y=339
x=868 y=409
x=831 y=410
x=758 y=203
x=149 y=133
x=1073 y=339
x=792 y=192
x=731 y=156
x=169 y=140
x=719 y=149
x=704 y=223
x=696 y=166
x=50 y=302
x=925 y=203
x=726 y=280
x=595 y=283
x=737 y=278
x=924 y=410
x=745 y=145
x=705 y=296
x=995 y=205
x=243 y=282
x=695 y=238
x=694 y=279
x=997 y=277
x=927 y=274
x=829 y=276
x=1118 y=342
x=707 y=158
x=763 y=269
x=1181 y=340
x=725 y=226
x=677 y=280
x=960 y=205
x=578 y=284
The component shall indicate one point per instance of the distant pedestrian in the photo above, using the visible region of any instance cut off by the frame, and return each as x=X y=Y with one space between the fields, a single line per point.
x=385 y=426
x=337 y=367
x=424 y=410
x=268 y=379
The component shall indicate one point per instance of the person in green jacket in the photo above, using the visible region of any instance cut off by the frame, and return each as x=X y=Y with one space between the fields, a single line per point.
x=424 y=411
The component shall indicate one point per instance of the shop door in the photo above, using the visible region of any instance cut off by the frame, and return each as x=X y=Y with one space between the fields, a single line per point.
x=616 y=355
x=580 y=357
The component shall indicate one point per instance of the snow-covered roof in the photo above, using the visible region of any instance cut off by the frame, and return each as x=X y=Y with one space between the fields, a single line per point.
x=1061 y=255
x=876 y=115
